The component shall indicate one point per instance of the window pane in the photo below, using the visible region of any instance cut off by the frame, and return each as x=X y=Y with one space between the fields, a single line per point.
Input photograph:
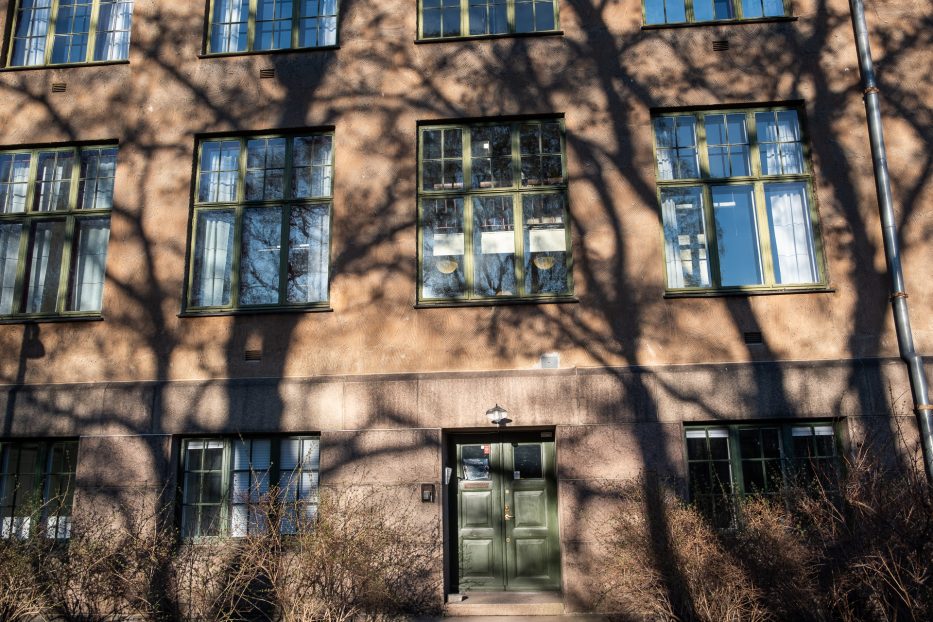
x=792 y=249
x=736 y=235
x=229 y=25
x=89 y=264
x=475 y=462
x=528 y=461
x=14 y=182
x=541 y=154
x=545 y=240
x=265 y=169
x=491 y=149
x=113 y=30
x=72 y=26
x=442 y=163
x=95 y=186
x=10 y=235
x=312 y=175
x=260 y=253
x=779 y=138
x=29 y=37
x=213 y=258
x=773 y=8
x=493 y=246
x=220 y=170
x=53 y=181
x=676 y=147
x=685 y=237
x=708 y=10
x=488 y=17
x=752 y=9
x=273 y=24
x=442 y=256
x=727 y=142
x=317 y=24
x=45 y=266
x=308 y=253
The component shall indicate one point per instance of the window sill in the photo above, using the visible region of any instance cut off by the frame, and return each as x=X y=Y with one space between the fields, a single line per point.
x=720 y=293
x=209 y=55
x=443 y=304
x=102 y=63
x=723 y=22
x=505 y=35
x=45 y=319
x=223 y=312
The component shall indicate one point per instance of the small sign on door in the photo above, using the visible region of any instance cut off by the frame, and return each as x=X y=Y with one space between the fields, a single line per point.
x=516 y=474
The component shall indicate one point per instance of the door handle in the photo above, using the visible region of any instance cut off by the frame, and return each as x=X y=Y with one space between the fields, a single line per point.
x=508 y=516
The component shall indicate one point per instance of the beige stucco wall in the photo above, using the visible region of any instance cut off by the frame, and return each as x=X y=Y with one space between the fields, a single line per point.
x=605 y=74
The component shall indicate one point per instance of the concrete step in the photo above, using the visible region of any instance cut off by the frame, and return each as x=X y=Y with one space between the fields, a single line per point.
x=502 y=604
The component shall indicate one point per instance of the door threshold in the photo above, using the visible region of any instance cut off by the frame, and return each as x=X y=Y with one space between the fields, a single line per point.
x=505 y=604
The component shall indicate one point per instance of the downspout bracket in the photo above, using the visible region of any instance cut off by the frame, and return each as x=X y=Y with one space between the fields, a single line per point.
x=897 y=295
x=920 y=407
x=872 y=90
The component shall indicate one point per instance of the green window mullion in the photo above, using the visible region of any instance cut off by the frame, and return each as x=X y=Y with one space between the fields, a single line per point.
x=510 y=15
x=50 y=35
x=251 y=25
x=464 y=23
x=764 y=234
x=75 y=179
x=688 y=11
x=712 y=242
x=296 y=12
x=235 y=262
x=225 y=483
x=466 y=137
x=33 y=173
x=518 y=257
x=701 y=146
x=754 y=153
x=65 y=271
x=92 y=31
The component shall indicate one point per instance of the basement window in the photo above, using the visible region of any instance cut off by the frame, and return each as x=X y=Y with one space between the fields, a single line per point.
x=37 y=481
x=235 y=487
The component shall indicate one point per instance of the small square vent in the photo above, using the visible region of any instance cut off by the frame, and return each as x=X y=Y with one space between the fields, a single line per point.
x=265 y=74
x=252 y=355
x=753 y=339
x=721 y=46
x=59 y=87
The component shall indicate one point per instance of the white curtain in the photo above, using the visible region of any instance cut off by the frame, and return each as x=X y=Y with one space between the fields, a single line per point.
x=227 y=31
x=90 y=264
x=791 y=235
x=54 y=176
x=45 y=268
x=213 y=257
x=113 y=31
x=32 y=29
x=9 y=261
x=685 y=247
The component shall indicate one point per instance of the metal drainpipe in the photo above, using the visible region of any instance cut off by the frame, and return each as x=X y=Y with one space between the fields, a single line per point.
x=892 y=253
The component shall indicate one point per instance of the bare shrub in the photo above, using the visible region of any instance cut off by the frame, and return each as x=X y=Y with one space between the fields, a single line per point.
x=362 y=558
x=855 y=547
x=22 y=595
x=673 y=569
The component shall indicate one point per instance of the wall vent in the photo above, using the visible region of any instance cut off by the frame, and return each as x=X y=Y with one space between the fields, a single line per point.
x=550 y=360
x=720 y=46
x=266 y=73
x=252 y=355
x=753 y=339
x=59 y=87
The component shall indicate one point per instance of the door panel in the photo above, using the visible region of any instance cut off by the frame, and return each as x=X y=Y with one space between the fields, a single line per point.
x=506 y=508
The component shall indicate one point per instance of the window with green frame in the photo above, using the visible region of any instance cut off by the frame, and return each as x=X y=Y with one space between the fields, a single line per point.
x=736 y=196
x=493 y=218
x=229 y=486
x=55 y=32
x=728 y=462
x=686 y=11
x=256 y=25
x=262 y=212
x=55 y=206
x=475 y=18
x=36 y=487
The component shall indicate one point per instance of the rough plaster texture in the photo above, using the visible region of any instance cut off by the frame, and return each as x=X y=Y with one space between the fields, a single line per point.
x=380 y=379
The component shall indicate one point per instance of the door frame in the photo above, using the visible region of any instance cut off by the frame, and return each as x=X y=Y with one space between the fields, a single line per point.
x=450 y=522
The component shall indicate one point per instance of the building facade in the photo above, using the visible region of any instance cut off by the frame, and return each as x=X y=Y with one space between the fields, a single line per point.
x=330 y=236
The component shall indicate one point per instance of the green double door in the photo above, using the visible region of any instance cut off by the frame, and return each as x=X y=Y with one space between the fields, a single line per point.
x=506 y=512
